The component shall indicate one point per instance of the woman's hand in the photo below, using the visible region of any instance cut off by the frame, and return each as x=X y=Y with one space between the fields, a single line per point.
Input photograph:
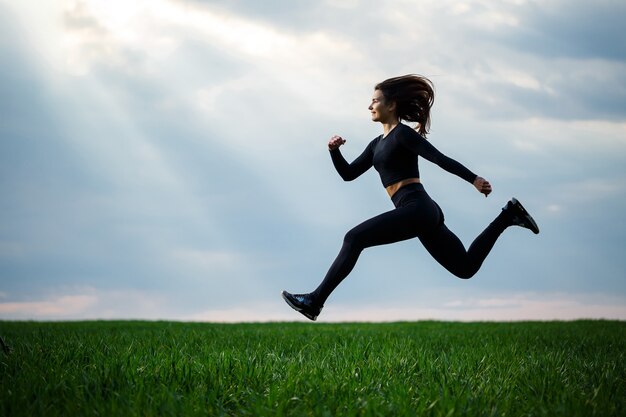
x=335 y=142
x=482 y=185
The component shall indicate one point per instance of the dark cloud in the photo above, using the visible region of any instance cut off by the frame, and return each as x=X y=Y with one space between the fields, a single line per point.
x=564 y=97
x=574 y=53
x=578 y=29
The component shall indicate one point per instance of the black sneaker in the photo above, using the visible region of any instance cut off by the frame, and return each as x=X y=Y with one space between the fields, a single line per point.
x=303 y=304
x=519 y=215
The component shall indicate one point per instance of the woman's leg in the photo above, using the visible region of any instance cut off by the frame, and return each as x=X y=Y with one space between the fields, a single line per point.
x=393 y=226
x=448 y=250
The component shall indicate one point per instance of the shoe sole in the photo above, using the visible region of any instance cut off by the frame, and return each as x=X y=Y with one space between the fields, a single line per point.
x=533 y=225
x=298 y=309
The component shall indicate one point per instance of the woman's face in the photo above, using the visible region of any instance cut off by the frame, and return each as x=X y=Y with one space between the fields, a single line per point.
x=381 y=110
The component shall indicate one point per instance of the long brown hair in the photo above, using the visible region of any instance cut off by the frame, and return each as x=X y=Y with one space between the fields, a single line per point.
x=414 y=96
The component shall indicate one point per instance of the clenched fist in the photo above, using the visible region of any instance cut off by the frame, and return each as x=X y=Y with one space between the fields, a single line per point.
x=335 y=142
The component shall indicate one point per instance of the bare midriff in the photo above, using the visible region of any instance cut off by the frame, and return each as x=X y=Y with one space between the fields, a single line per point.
x=393 y=188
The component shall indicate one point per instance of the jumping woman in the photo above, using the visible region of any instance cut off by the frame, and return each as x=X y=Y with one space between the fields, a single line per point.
x=394 y=154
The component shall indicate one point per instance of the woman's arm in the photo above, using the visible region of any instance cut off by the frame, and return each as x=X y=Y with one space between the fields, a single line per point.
x=420 y=146
x=349 y=171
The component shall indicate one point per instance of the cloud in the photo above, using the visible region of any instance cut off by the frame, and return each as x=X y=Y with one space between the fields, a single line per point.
x=515 y=60
x=61 y=307
x=90 y=303
x=485 y=305
x=508 y=83
x=570 y=29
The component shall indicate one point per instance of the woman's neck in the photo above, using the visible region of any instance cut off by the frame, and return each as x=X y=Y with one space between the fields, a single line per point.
x=388 y=126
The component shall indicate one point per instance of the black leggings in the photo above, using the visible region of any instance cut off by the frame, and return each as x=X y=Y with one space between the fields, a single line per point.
x=415 y=215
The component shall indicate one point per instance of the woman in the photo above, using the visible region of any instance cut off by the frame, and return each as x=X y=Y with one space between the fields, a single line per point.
x=394 y=154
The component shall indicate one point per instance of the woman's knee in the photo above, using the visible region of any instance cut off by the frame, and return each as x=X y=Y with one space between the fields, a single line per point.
x=351 y=237
x=354 y=240
x=464 y=274
x=463 y=270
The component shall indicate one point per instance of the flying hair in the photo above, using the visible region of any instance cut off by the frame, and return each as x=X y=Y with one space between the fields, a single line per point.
x=414 y=95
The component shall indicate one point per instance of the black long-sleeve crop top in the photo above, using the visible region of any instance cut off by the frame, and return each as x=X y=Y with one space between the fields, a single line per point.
x=395 y=158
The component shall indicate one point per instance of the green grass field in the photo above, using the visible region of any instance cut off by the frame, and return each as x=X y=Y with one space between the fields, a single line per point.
x=313 y=369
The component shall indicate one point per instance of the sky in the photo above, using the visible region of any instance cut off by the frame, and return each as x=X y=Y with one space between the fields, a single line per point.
x=167 y=159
